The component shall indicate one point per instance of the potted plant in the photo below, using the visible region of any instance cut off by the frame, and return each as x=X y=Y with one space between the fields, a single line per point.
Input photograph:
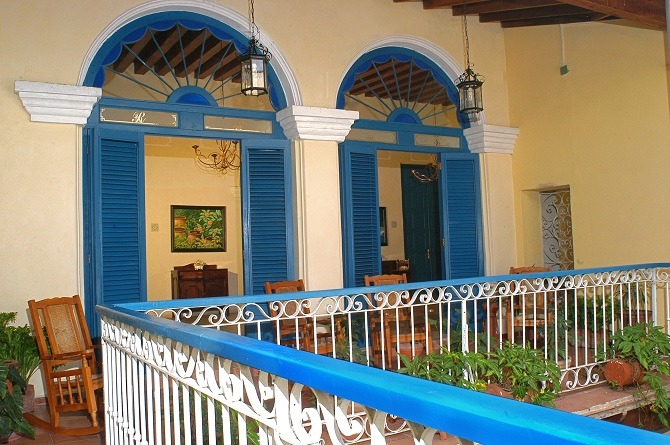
x=521 y=373
x=590 y=318
x=639 y=355
x=12 y=386
x=18 y=343
x=468 y=370
x=525 y=373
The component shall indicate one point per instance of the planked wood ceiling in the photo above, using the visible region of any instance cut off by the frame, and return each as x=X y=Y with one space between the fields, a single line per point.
x=520 y=13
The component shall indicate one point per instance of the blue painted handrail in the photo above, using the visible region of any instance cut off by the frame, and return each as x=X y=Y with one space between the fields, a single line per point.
x=476 y=416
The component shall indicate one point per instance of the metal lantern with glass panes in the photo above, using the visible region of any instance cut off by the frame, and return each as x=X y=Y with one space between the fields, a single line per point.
x=470 y=92
x=469 y=83
x=254 y=69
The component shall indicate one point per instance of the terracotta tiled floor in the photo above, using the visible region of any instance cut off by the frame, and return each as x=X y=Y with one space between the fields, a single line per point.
x=70 y=420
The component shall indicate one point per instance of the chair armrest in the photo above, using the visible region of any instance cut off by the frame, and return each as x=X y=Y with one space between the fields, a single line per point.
x=69 y=356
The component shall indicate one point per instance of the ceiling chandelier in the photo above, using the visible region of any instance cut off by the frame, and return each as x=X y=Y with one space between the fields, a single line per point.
x=224 y=159
x=429 y=172
x=254 y=62
x=469 y=83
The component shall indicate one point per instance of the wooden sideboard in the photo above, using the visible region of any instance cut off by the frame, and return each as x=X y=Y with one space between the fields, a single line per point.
x=187 y=282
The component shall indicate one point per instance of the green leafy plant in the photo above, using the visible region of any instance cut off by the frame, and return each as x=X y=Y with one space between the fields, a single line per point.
x=468 y=370
x=18 y=343
x=650 y=347
x=527 y=374
x=354 y=327
x=524 y=372
x=593 y=312
x=12 y=386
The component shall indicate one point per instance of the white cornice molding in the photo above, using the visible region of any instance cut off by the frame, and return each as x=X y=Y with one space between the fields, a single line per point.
x=318 y=124
x=50 y=102
x=486 y=138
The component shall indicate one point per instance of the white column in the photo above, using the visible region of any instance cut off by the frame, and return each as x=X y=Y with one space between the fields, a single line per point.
x=495 y=145
x=315 y=133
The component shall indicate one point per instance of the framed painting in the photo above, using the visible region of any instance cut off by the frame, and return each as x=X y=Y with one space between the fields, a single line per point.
x=198 y=229
x=383 y=233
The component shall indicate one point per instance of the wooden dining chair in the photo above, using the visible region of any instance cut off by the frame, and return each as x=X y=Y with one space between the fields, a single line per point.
x=403 y=332
x=71 y=372
x=298 y=332
x=528 y=312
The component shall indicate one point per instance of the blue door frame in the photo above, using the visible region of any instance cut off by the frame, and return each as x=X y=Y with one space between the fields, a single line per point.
x=113 y=197
x=459 y=194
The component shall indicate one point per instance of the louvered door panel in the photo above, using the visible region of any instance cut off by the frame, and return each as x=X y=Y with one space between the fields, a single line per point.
x=268 y=211
x=362 y=249
x=462 y=198
x=121 y=221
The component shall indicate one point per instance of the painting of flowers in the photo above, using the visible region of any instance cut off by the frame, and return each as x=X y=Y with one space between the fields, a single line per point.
x=198 y=229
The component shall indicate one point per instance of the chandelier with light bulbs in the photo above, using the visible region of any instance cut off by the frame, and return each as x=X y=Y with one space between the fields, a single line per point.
x=225 y=158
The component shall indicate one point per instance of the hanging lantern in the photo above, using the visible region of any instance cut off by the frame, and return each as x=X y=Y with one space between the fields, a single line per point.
x=470 y=92
x=469 y=83
x=254 y=69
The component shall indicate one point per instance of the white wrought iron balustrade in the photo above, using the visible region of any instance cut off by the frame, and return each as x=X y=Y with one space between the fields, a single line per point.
x=167 y=382
x=569 y=315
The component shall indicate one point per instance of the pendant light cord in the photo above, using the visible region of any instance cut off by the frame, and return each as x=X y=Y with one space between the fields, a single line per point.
x=466 y=39
x=252 y=22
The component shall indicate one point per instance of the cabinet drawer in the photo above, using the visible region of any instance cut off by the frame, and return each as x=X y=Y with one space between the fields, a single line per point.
x=190 y=275
x=218 y=274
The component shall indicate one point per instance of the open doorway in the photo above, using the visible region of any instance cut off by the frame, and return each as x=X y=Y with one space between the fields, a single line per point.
x=173 y=178
x=412 y=224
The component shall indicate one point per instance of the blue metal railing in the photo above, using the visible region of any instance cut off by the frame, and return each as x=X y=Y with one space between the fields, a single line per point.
x=467 y=414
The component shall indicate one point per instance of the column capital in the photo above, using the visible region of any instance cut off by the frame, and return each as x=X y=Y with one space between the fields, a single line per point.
x=50 y=102
x=319 y=124
x=484 y=138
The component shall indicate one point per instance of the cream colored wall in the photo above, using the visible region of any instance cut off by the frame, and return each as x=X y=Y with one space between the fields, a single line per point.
x=317 y=215
x=41 y=200
x=603 y=129
x=172 y=178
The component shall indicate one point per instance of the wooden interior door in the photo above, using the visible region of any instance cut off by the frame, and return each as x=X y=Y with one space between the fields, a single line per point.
x=421 y=225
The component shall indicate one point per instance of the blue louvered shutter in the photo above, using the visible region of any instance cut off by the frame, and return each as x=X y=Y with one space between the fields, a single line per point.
x=118 y=220
x=268 y=213
x=464 y=254
x=360 y=215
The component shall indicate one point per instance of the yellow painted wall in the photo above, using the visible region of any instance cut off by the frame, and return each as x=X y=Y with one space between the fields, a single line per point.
x=47 y=41
x=603 y=129
x=172 y=178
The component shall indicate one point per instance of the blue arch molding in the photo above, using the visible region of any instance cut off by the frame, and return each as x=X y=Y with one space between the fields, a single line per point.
x=161 y=21
x=192 y=95
x=384 y=54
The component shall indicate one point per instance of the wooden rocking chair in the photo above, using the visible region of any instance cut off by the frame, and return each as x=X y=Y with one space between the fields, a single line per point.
x=69 y=366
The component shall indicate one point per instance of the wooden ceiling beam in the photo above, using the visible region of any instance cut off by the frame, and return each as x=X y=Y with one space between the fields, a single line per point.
x=127 y=57
x=444 y=4
x=150 y=54
x=559 y=20
x=498 y=6
x=649 y=12
x=532 y=13
x=218 y=60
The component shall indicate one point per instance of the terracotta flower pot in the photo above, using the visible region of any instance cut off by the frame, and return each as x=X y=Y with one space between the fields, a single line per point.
x=29 y=399
x=622 y=373
x=497 y=390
